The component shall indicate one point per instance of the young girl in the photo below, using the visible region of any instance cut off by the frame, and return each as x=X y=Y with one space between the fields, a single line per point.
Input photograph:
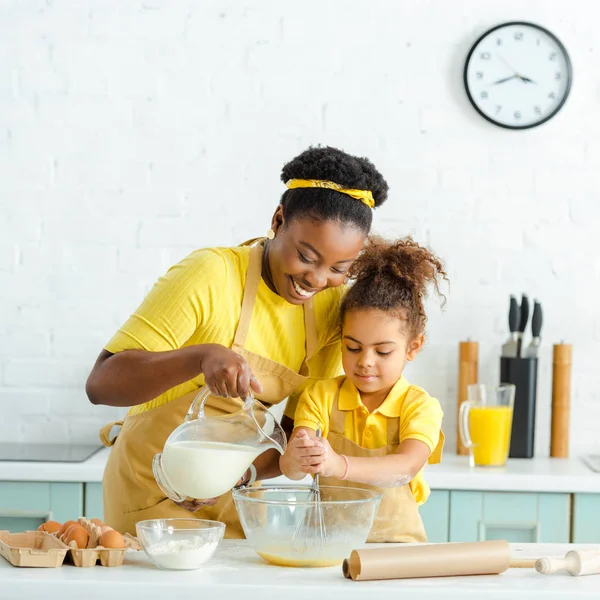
x=378 y=430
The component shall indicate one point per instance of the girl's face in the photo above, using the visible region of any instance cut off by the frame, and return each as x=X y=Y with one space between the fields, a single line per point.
x=308 y=256
x=375 y=350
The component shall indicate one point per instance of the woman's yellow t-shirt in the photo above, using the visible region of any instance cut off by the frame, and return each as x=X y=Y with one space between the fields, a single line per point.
x=198 y=301
x=420 y=418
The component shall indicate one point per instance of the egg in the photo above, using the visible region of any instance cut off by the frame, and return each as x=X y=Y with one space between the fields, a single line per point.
x=78 y=534
x=50 y=526
x=64 y=527
x=65 y=534
x=112 y=539
x=97 y=522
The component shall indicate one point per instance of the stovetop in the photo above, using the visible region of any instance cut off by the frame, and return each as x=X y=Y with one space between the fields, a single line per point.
x=47 y=452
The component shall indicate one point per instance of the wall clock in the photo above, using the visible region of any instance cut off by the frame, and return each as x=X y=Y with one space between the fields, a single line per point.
x=517 y=75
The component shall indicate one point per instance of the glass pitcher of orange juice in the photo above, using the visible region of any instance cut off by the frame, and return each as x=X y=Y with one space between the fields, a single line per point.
x=485 y=422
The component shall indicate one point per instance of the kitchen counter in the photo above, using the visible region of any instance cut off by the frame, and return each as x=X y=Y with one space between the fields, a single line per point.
x=88 y=471
x=236 y=571
x=568 y=475
x=519 y=475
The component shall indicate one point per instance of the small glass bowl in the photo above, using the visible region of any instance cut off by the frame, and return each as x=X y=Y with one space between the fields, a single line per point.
x=180 y=544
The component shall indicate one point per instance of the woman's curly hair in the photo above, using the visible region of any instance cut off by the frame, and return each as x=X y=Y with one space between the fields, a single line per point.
x=322 y=204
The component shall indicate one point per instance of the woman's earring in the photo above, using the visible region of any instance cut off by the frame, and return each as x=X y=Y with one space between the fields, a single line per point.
x=270 y=234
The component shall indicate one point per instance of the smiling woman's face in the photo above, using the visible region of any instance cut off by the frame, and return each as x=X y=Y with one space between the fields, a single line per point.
x=308 y=256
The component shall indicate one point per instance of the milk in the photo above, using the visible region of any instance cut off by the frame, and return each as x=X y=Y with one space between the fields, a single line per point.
x=206 y=469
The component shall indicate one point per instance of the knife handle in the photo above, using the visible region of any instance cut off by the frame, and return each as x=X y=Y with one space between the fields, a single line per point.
x=513 y=315
x=524 y=313
x=536 y=319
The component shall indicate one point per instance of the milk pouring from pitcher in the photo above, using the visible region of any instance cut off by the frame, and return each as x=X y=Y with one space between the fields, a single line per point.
x=206 y=456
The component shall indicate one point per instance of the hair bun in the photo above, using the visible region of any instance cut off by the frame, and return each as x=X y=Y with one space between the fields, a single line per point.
x=331 y=164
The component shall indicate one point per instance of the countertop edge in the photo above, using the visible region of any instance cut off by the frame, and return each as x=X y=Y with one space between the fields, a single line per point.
x=538 y=475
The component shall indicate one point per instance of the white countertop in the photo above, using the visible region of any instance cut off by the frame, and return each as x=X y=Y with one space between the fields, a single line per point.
x=570 y=475
x=236 y=571
x=88 y=471
x=519 y=475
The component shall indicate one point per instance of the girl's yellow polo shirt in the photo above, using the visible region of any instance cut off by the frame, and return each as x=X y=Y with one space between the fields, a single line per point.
x=198 y=301
x=420 y=418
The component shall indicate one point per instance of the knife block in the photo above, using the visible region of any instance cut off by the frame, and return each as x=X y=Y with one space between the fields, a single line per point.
x=522 y=373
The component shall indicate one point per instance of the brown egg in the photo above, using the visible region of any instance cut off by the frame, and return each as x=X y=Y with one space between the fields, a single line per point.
x=112 y=539
x=50 y=526
x=97 y=522
x=78 y=534
x=66 y=531
x=65 y=526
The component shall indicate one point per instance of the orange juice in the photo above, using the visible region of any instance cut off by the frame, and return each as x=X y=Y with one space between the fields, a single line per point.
x=489 y=427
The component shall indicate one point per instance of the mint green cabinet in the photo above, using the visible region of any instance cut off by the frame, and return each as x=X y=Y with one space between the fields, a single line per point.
x=24 y=505
x=512 y=516
x=435 y=514
x=448 y=516
x=586 y=519
x=93 y=504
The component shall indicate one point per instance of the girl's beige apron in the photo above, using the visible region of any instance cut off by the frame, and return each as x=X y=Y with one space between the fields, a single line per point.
x=130 y=491
x=398 y=518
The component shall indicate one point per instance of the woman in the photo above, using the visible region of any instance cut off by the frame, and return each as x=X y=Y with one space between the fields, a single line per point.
x=260 y=316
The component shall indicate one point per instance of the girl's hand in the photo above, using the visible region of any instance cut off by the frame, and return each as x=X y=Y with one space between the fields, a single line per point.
x=227 y=374
x=303 y=455
x=332 y=465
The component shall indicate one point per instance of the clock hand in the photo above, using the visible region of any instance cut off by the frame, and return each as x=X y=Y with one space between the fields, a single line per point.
x=505 y=79
x=525 y=79
x=502 y=59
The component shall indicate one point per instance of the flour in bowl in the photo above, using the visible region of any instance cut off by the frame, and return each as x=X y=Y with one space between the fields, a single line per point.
x=182 y=554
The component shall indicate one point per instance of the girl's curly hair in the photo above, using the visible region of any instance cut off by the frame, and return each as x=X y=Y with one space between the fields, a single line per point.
x=394 y=277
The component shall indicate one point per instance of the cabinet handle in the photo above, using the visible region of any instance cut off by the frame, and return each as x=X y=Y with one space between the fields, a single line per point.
x=10 y=514
x=533 y=527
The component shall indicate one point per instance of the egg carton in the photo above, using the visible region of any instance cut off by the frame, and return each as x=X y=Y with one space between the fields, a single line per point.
x=32 y=549
x=108 y=557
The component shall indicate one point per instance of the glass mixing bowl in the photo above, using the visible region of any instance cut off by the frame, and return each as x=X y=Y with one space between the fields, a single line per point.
x=180 y=544
x=286 y=526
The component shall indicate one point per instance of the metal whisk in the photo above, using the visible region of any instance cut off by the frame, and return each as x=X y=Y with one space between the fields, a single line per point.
x=310 y=530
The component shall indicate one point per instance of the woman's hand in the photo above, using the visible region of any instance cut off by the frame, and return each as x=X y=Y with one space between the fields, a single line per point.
x=226 y=373
x=193 y=504
x=303 y=455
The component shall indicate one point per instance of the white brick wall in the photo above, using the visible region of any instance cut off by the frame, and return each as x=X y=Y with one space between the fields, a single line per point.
x=134 y=131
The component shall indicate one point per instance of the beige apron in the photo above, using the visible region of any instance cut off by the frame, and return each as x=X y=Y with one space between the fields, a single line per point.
x=398 y=518
x=130 y=491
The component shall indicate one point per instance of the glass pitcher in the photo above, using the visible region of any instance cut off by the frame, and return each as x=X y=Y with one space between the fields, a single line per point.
x=206 y=456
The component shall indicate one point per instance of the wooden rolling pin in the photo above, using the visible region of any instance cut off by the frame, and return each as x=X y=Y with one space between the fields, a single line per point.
x=575 y=562
x=432 y=560
x=561 y=400
x=467 y=374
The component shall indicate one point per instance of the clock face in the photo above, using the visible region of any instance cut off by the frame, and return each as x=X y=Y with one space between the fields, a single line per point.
x=517 y=75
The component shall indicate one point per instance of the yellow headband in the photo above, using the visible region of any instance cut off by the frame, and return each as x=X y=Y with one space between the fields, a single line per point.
x=365 y=196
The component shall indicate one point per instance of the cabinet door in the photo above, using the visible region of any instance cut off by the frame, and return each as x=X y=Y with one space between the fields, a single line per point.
x=512 y=516
x=24 y=505
x=435 y=515
x=586 y=519
x=93 y=505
